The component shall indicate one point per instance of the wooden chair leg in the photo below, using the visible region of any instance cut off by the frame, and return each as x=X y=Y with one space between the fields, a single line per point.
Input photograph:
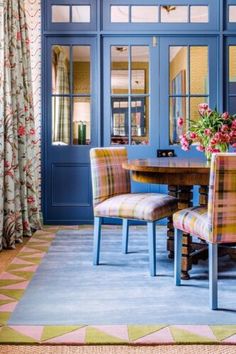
x=125 y=235
x=151 y=226
x=213 y=270
x=97 y=240
x=177 y=256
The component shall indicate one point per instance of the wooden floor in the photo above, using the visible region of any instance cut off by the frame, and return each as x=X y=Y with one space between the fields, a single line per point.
x=6 y=256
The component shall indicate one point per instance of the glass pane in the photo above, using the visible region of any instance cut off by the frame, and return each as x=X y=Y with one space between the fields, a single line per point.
x=232 y=69
x=119 y=70
x=171 y=13
x=119 y=111
x=119 y=13
x=60 y=120
x=60 y=69
x=140 y=69
x=194 y=103
x=178 y=70
x=178 y=108
x=81 y=69
x=199 y=75
x=81 y=14
x=60 y=13
x=140 y=120
x=199 y=14
x=144 y=14
x=232 y=105
x=81 y=121
x=232 y=13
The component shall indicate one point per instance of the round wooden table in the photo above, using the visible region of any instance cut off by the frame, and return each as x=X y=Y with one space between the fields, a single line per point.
x=180 y=175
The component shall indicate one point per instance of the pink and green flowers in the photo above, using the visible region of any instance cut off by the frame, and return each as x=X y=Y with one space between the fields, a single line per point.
x=213 y=132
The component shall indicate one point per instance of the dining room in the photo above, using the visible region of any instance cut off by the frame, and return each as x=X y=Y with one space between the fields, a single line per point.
x=118 y=176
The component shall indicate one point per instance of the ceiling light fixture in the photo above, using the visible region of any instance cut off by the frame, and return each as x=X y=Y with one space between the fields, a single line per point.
x=169 y=8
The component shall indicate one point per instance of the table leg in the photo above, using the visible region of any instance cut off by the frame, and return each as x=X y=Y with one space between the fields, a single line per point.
x=184 y=195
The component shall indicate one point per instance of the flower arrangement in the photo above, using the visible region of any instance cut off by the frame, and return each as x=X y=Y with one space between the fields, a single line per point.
x=213 y=132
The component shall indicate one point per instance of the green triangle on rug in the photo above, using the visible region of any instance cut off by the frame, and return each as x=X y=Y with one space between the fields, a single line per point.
x=6 y=282
x=15 y=294
x=138 y=331
x=37 y=247
x=17 y=266
x=4 y=317
x=182 y=336
x=23 y=274
x=223 y=332
x=9 y=335
x=50 y=332
x=4 y=302
x=94 y=336
x=30 y=259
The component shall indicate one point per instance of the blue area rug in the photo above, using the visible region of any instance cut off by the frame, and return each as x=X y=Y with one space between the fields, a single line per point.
x=68 y=290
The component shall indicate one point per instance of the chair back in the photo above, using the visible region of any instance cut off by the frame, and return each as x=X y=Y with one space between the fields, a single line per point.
x=222 y=198
x=108 y=176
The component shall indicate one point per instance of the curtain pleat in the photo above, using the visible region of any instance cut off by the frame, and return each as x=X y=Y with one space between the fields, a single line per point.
x=19 y=203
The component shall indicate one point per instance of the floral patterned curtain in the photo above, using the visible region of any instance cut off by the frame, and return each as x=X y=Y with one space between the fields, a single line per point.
x=18 y=203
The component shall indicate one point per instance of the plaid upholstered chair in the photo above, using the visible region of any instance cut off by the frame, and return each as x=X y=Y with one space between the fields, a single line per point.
x=215 y=224
x=112 y=198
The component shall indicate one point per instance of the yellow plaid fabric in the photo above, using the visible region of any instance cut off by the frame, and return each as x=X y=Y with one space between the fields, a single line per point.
x=141 y=206
x=108 y=176
x=217 y=223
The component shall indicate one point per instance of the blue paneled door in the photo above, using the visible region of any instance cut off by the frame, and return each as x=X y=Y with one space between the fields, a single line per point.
x=70 y=129
x=131 y=96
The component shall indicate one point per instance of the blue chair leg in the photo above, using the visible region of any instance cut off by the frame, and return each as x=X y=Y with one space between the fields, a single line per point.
x=97 y=240
x=178 y=256
x=125 y=235
x=151 y=226
x=213 y=270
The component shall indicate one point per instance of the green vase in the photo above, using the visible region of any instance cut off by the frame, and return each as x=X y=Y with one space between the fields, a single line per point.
x=82 y=133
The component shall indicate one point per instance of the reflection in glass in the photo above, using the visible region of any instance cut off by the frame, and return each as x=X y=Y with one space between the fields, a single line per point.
x=140 y=69
x=144 y=14
x=199 y=73
x=178 y=70
x=60 y=69
x=119 y=70
x=81 y=69
x=120 y=120
x=81 y=121
x=140 y=120
x=178 y=108
x=60 y=13
x=232 y=70
x=81 y=14
x=119 y=13
x=232 y=13
x=194 y=103
x=60 y=120
x=199 y=14
x=174 y=14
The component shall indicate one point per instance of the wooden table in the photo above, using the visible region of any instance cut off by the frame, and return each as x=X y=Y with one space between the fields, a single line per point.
x=180 y=175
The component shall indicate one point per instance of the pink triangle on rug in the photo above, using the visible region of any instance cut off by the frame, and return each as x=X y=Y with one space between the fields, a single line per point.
x=34 y=332
x=199 y=330
x=115 y=331
x=231 y=339
x=74 y=337
x=18 y=286
x=38 y=240
x=35 y=255
x=8 y=307
x=4 y=297
x=20 y=261
x=28 y=250
x=9 y=276
x=162 y=336
x=31 y=268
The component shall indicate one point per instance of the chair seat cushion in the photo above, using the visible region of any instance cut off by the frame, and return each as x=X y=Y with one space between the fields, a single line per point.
x=193 y=221
x=140 y=206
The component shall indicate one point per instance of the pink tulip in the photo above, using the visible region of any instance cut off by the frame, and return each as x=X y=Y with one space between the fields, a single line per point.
x=180 y=122
x=185 y=147
x=225 y=115
x=207 y=131
x=203 y=106
x=200 y=148
x=224 y=128
x=233 y=126
x=193 y=135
